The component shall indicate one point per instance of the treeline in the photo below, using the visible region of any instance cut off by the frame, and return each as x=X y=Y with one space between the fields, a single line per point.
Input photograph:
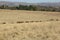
x=31 y=7
x=20 y=7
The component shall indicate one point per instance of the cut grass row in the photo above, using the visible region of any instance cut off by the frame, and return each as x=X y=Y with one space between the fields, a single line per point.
x=29 y=21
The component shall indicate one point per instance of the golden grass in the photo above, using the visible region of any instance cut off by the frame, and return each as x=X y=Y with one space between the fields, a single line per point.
x=30 y=31
x=29 y=25
x=12 y=16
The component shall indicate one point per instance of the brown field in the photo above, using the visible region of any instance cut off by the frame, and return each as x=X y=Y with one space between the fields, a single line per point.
x=29 y=25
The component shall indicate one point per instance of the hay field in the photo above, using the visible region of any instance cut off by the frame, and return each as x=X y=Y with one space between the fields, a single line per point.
x=29 y=25
x=11 y=16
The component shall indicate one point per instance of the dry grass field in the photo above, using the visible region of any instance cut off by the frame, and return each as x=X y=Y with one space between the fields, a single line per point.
x=29 y=25
x=11 y=16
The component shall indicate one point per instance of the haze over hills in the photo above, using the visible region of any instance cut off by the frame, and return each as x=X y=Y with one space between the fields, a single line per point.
x=50 y=4
x=14 y=3
x=23 y=3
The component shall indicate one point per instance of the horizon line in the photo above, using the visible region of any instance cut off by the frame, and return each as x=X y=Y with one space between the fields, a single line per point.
x=29 y=2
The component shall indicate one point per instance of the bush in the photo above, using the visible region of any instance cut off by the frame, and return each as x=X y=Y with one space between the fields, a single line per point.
x=31 y=21
x=26 y=21
x=20 y=21
x=51 y=19
x=3 y=22
x=57 y=19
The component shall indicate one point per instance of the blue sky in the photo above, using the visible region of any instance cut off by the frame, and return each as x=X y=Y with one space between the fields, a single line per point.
x=32 y=1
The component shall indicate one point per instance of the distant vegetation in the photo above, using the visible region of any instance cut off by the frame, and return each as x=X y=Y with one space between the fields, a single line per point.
x=32 y=8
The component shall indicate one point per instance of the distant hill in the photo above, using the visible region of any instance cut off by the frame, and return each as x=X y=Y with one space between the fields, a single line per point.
x=30 y=6
x=23 y=3
x=13 y=3
x=50 y=4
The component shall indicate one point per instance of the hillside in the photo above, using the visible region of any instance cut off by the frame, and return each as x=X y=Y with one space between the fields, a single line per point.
x=29 y=25
x=12 y=16
x=30 y=31
x=24 y=3
x=54 y=4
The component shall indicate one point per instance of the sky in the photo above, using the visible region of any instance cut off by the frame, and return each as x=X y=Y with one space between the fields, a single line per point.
x=32 y=1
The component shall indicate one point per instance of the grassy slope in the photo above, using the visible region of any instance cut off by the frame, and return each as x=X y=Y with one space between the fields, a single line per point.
x=30 y=31
x=15 y=15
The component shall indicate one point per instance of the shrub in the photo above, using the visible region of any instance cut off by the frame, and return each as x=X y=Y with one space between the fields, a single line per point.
x=57 y=19
x=40 y=21
x=31 y=21
x=4 y=23
x=26 y=21
x=20 y=21
x=51 y=19
x=36 y=21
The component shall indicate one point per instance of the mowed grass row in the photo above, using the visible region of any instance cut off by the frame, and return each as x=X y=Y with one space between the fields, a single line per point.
x=29 y=21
